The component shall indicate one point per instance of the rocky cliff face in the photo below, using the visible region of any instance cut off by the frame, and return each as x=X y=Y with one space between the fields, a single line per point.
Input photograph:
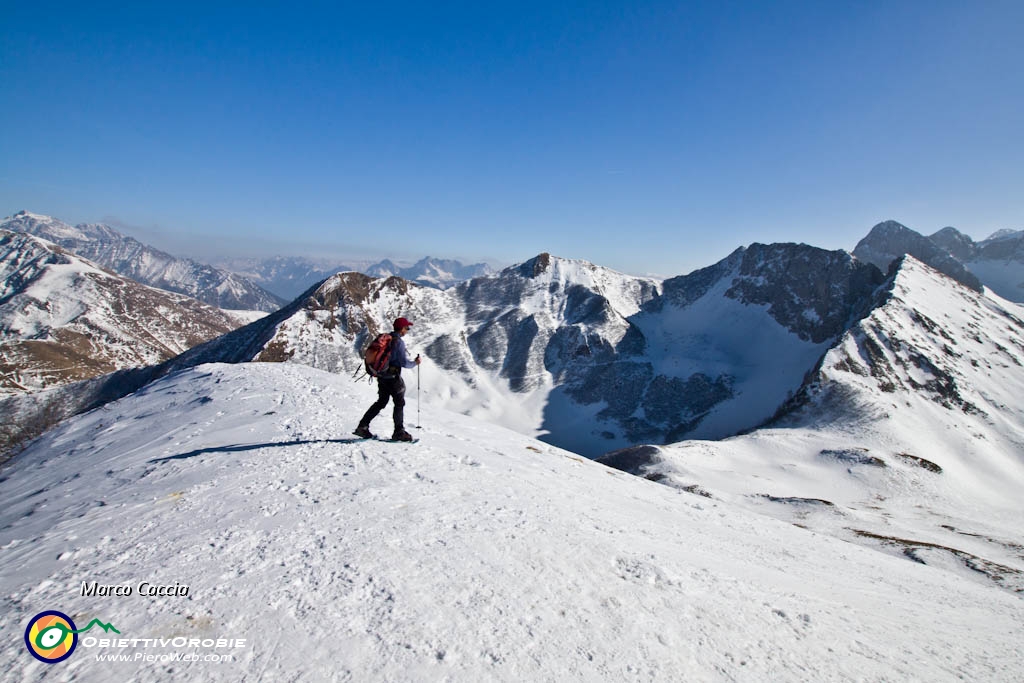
x=132 y=259
x=725 y=345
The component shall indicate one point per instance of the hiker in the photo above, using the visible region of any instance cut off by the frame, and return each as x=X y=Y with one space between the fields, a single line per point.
x=391 y=386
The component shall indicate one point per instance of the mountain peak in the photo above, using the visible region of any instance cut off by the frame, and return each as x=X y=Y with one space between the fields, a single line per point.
x=536 y=266
x=1003 y=234
x=890 y=227
x=28 y=214
x=64 y=319
x=955 y=242
x=889 y=240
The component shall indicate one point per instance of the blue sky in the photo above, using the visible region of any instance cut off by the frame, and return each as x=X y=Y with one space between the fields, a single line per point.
x=650 y=137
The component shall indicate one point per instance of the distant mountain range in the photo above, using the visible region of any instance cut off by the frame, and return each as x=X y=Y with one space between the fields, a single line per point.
x=997 y=262
x=591 y=359
x=132 y=259
x=290 y=276
x=233 y=284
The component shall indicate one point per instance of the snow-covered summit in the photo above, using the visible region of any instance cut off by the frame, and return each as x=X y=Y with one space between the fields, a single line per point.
x=476 y=554
x=430 y=271
x=1004 y=234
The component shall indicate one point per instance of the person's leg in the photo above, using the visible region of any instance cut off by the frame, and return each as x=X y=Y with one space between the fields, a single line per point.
x=383 y=394
x=398 y=395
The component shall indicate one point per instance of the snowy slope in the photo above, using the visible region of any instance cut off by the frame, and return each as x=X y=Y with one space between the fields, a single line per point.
x=909 y=437
x=477 y=554
x=63 y=318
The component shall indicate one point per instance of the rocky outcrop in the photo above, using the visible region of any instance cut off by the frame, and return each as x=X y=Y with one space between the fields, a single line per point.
x=811 y=292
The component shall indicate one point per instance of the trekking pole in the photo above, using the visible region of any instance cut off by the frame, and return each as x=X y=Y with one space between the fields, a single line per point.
x=418 y=395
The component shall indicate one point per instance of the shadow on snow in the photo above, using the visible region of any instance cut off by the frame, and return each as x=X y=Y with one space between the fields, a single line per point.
x=252 y=447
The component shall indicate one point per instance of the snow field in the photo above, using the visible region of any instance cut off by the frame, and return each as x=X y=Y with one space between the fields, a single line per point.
x=477 y=554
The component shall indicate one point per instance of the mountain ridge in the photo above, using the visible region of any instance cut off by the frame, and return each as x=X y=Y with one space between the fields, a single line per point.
x=142 y=263
x=290 y=276
x=996 y=262
x=64 y=318
x=906 y=437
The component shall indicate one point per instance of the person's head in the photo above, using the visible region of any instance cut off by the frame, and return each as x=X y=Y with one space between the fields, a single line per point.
x=402 y=325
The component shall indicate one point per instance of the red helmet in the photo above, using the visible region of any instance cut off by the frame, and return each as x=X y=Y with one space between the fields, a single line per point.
x=402 y=322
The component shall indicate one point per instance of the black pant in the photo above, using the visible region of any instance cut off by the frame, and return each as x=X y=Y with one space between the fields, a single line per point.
x=388 y=388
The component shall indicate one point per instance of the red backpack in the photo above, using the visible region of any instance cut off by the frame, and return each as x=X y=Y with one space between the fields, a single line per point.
x=377 y=355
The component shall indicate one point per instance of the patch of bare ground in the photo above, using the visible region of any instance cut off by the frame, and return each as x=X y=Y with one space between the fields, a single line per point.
x=1008 y=578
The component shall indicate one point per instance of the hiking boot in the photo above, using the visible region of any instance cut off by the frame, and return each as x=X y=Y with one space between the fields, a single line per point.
x=401 y=435
x=363 y=432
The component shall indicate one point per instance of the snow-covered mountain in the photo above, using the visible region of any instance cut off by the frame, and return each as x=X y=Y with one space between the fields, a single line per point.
x=289 y=276
x=63 y=318
x=432 y=272
x=588 y=358
x=997 y=262
x=476 y=554
x=909 y=435
x=888 y=241
x=493 y=345
x=129 y=257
